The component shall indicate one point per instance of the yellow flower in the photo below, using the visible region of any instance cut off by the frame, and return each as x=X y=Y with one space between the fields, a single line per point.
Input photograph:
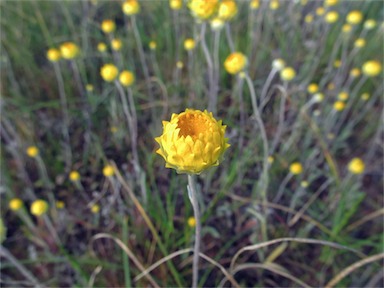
x=53 y=55
x=343 y=96
x=287 y=74
x=235 y=63
x=131 y=7
x=271 y=159
x=330 y=2
x=192 y=141
x=308 y=18
x=278 y=64
x=189 y=44
x=303 y=2
x=113 y=129
x=296 y=168
x=89 y=87
x=274 y=4
x=108 y=171
x=313 y=88
x=152 y=45
x=365 y=96
x=355 y=72
x=108 y=26
x=255 y=4
x=227 y=10
x=217 y=24
x=203 y=9
x=320 y=11
x=318 y=97
x=337 y=63
x=331 y=17
x=356 y=166
x=101 y=47
x=331 y=86
x=339 y=105
x=179 y=65
x=359 y=43
x=191 y=222
x=60 y=204
x=346 y=28
x=39 y=207
x=369 y=24
x=304 y=184
x=175 y=4
x=116 y=44
x=74 y=176
x=354 y=17
x=95 y=208
x=126 y=78
x=15 y=204
x=109 y=72
x=32 y=151
x=69 y=50
x=371 y=68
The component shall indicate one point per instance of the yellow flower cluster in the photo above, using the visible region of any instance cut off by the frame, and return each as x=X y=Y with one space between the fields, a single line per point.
x=192 y=141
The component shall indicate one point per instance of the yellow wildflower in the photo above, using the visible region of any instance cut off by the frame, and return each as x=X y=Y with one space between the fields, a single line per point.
x=274 y=4
x=356 y=166
x=191 y=222
x=53 y=55
x=60 y=204
x=355 y=72
x=108 y=171
x=343 y=96
x=189 y=44
x=15 y=204
x=339 y=105
x=359 y=43
x=74 y=176
x=203 y=9
x=108 y=26
x=39 y=207
x=331 y=17
x=354 y=17
x=127 y=78
x=235 y=63
x=337 y=63
x=101 y=47
x=318 y=97
x=287 y=74
x=179 y=64
x=308 y=18
x=330 y=2
x=109 y=72
x=217 y=24
x=296 y=168
x=278 y=64
x=89 y=87
x=131 y=7
x=95 y=208
x=69 y=50
x=365 y=96
x=175 y=4
x=369 y=24
x=313 y=88
x=320 y=11
x=32 y=151
x=255 y=4
x=192 y=141
x=152 y=45
x=346 y=28
x=116 y=44
x=227 y=10
x=371 y=68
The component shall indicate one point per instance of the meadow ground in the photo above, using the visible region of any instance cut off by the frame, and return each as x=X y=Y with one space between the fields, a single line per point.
x=296 y=200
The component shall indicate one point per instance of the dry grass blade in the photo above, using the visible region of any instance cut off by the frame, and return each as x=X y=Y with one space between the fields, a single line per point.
x=351 y=268
x=269 y=267
x=93 y=276
x=180 y=252
x=366 y=218
x=299 y=240
x=129 y=253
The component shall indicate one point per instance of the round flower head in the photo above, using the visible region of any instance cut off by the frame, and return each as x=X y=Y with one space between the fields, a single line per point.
x=365 y=96
x=356 y=166
x=287 y=74
x=235 y=63
x=39 y=207
x=337 y=63
x=15 y=204
x=203 y=9
x=330 y=2
x=89 y=87
x=192 y=141
x=343 y=96
x=109 y=72
x=131 y=7
x=369 y=24
x=189 y=44
x=217 y=24
x=359 y=43
x=152 y=45
x=69 y=50
x=308 y=18
x=126 y=78
x=108 y=171
x=274 y=4
x=32 y=151
x=60 y=204
x=296 y=168
x=227 y=10
x=179 y=64
x=355 y=72
x=95 y=208
x=331 y=17
x=318 y=97
x=278 y=64
x=320 y=11
x=53 y=55
x=175 y=4
x=116 y=44
x=74 y=176
x=339 y=106
x=371 y=68
x=354 y=17
x=191 y=222
x=331 y=86
x=313 y=88
x=255 y=4
x=346 y=28
x=101 y=47
x=108 y=26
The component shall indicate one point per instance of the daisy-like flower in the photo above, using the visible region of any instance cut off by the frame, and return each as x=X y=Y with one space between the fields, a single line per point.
x=39 y=207
x=116 y=44
x=354 y=17
x=217 y=24
x=152 y=45
x=192 y=141
x=15 y=204
x=331 y=17
x=343 y=96
x=108 y=171
x=287 y=74
x=126 y=78
x=131 y=7
x=296 y=168
x=101 y=47
x=53 y=55
x=227 y=10
x=371 y=68
x=203 y=9
x=175 y=4
x=69 y=50
x=255 y=4
x=32 y=151
x=369 y=24
x=339 y=106
x=359 y=43
x=189 y=44
x=109 y=72
x=74 y=176
x=313 y=88
x=235 y=63
x=191 y=222
x=108 y=26
x=356 y=166
x=274 y=4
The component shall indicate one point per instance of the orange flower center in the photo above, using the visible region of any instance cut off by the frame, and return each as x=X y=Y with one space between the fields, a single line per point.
x=192 y=125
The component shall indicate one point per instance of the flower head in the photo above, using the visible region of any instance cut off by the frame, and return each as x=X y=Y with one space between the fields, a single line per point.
x=191 y=222
x=108 y=26
x=356 y=166
x=369 y=24
x=255 y=4
x=318 y=97
x=60 y=204
x=127 y=78
x=217 y=23
x=192 y=141
x=109 y=72
x=74 y=176
x=365 y=96
x=108 y=171
x=354 y=17
x=39 y=207
x=355 y=72
x=203 y=9
x=15 y=204
x=337 y=63
x=287 y=74
x=101 y=47
x=339 y=106
x=95 y=208
x=343 y=96
x=131 y=7
x=320 y=11
x=331 y=17
x=116 y=44
x=89 y=87
x=296 y=168
x=371 y=68
x=175 y=4
x=330 y=2
x=235 y=63
x=53 y=55
x=278 y=64
x=274 y=4
x=152 y=45
x=346 y=28
x=69 y=50
x=313 y=88
x=360 y=42
x=227 y=10
x=32 y=151
x=308 y=18
x=189 y=44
